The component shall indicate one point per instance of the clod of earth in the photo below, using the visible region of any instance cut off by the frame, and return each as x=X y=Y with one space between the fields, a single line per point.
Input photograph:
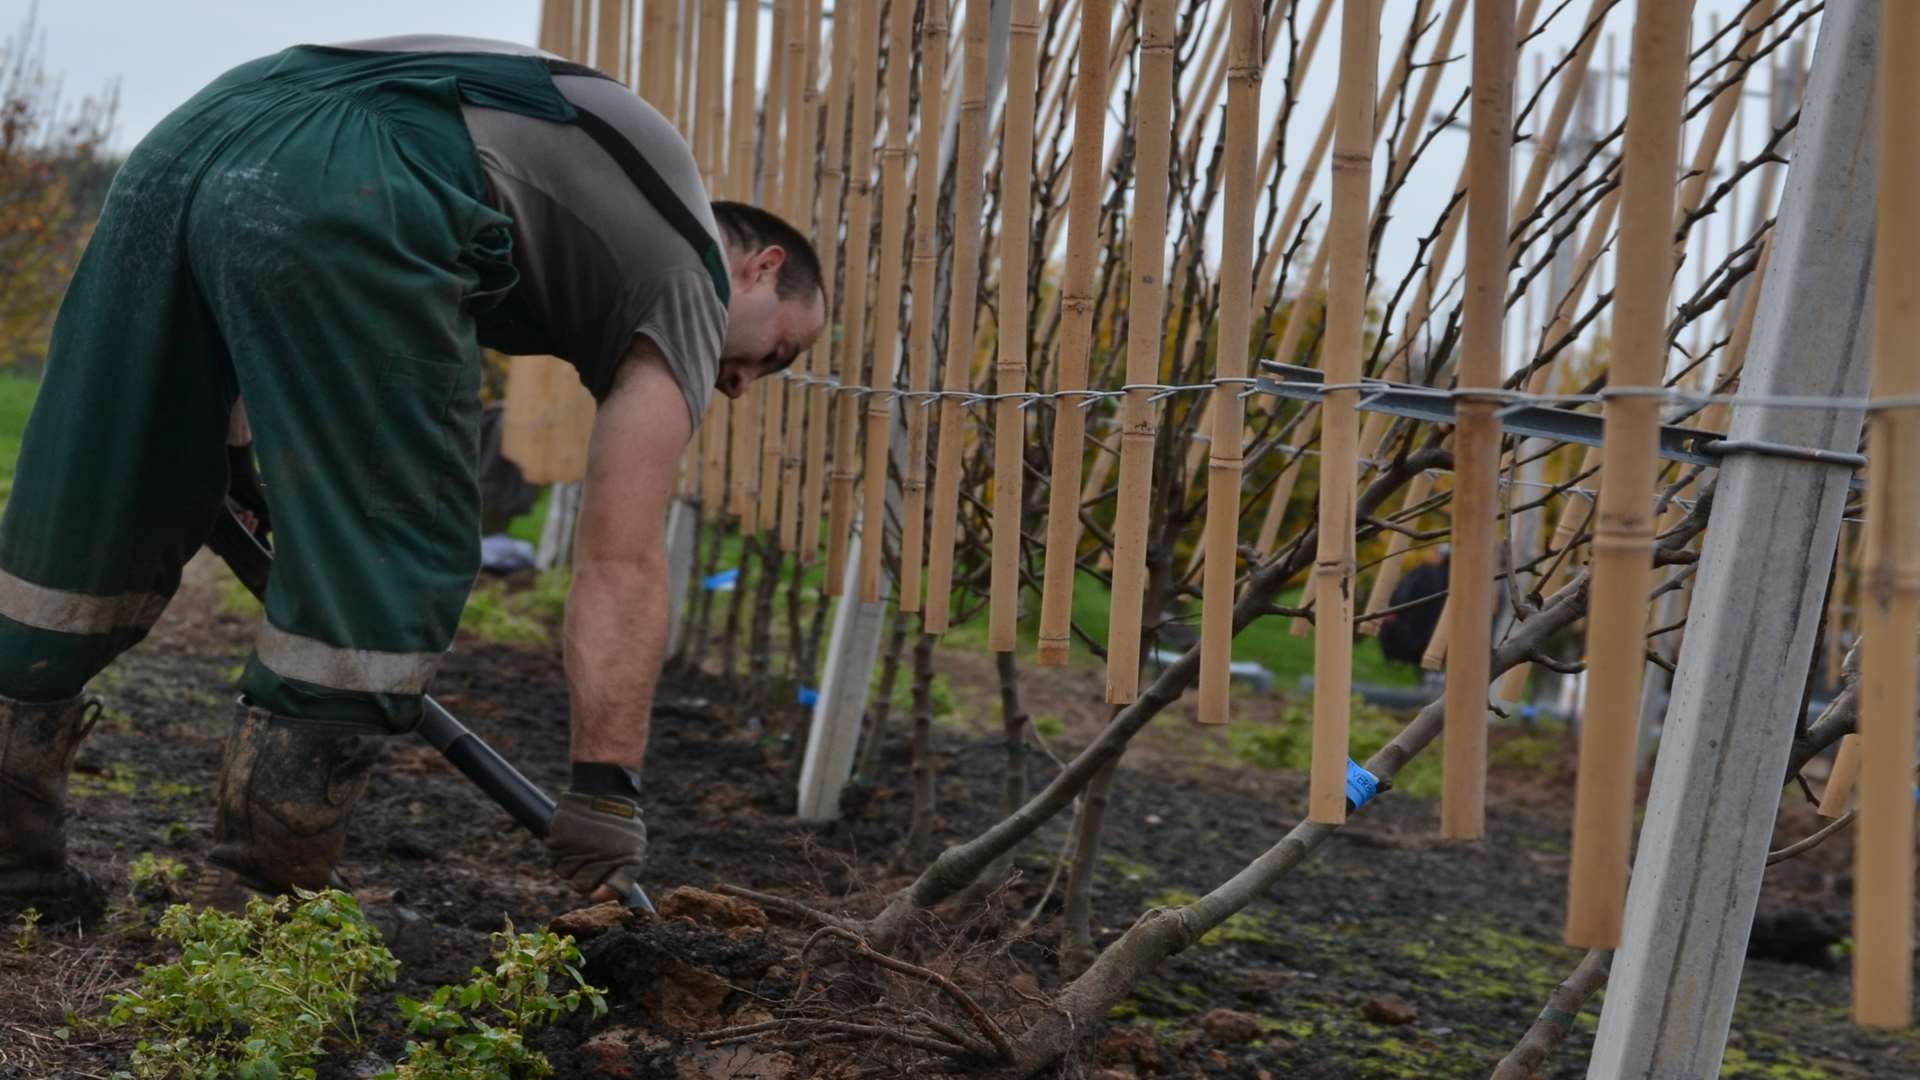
x=1389 y=1009
x=1230 y=1025
x=712 y=909
x=586 y=923
x=1129 y=1047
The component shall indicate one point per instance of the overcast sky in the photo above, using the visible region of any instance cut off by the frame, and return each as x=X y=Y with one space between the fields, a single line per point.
x=162 y=51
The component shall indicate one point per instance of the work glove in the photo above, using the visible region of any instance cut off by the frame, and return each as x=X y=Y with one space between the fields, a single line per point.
x=597 y=840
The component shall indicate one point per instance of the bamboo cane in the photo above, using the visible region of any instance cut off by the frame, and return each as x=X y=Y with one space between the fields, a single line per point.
x=1309 y=171
x=1316 y=277
x=1346 y=314
x=771 y=401
x=1890 y=596
x=650 y=35
x=1393 y=563
x=1578 y=507
x=1290 y=337
x=1276 y=512
x=672 y=90
x=1105 y=457
x=1573 y=79
x=886 y=331
x=1146 y=304
x=1574 y=511
x=1623 y=533
x=1199 y=443
x=826 y=358
x=742 y=419
x=638 y=24
x=1119 y=47
x=1416 y=123
x=666 y=27
x=1435 y=656
x=853 y=351
x=1055 y=106
x=606 y=53
x=803 y=46
x=684 y=97
x=1442 y=248
x=1295 y=329
x=926 y=202
x=1476 y=439
x=997 y=128
x=710 y=145
x=1720 y=114
x=713 y=52
x=556 y=26
x=1203 y=86
x=1245 y=59
x=963 y=299
x=1838 y=794
x=1310 y=165
x=1010 y=363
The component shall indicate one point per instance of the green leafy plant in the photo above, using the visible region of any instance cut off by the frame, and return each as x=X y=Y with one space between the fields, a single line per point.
x=156 y=877
x=477 y=1030
x=28 y=936
x=253 y=997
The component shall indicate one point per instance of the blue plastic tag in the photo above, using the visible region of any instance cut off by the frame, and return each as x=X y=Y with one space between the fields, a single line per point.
x=809 y=696
x=1361 y=786
x=722 y=581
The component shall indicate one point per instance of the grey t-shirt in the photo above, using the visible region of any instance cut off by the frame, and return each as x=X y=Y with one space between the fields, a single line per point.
x=597 y=262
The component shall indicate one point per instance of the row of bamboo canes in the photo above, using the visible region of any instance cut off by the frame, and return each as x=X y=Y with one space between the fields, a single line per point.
x=984 y=194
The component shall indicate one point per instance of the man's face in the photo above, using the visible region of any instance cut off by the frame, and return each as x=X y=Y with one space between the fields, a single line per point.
x=765 y=333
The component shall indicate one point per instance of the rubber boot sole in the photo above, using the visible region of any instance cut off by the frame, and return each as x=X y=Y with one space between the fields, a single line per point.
x=59 y=894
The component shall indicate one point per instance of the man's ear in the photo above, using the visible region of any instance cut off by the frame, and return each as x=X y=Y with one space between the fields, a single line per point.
x=771 y=258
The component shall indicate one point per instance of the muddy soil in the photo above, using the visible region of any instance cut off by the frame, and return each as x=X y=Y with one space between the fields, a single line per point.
x=1389 y=955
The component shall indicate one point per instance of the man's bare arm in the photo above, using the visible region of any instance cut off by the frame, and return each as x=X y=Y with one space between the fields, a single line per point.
x=617 y=609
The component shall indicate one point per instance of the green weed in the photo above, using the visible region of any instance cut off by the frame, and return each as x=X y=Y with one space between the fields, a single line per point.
x=27 y=937
x=156 y=877
x=477 y=1030
x=254 y=997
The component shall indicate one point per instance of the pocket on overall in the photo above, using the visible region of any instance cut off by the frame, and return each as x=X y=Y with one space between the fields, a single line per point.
x=422 y=455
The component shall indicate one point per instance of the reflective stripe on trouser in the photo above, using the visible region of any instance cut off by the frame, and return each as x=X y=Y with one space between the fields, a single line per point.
x=319 y=246
x=368 y=671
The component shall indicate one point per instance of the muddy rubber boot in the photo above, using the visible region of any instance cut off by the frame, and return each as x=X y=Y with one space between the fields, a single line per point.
x=287 y=787
x=37 y=747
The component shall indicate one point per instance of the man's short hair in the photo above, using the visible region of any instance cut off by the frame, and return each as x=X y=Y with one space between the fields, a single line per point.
x=750 y=229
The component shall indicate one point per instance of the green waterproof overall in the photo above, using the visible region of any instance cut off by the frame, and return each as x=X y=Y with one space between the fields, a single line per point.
x=308 y=233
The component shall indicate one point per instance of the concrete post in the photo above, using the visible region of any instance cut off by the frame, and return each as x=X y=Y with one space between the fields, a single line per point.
x=853 y=646
x=682 y=538
x=1763 y=572
x=853 y=650
x=556 y=533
